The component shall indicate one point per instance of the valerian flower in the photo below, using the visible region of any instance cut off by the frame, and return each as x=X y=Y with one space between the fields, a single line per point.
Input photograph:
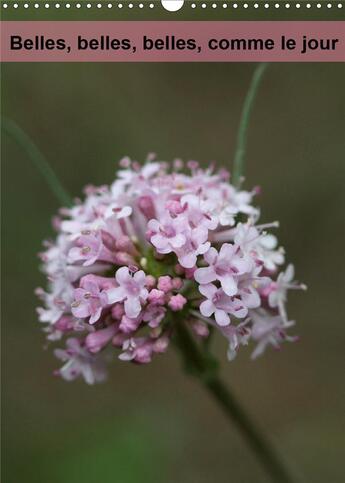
x=220 y=304
x=88 y=302
x=131 y=290
x=154 y=247
x=224 y=267
x=277 y=296
x=79 y=361
x=269 y=330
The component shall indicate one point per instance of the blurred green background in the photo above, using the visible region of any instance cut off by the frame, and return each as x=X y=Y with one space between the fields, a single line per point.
x=153 y=424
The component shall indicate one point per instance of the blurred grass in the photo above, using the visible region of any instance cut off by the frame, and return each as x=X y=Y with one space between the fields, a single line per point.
x=126 y=450
x=152 y=423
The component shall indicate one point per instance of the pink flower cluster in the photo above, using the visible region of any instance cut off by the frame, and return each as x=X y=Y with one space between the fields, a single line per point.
x=156 y=244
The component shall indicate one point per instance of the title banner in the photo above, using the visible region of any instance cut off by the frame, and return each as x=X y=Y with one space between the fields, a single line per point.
x=173 y=41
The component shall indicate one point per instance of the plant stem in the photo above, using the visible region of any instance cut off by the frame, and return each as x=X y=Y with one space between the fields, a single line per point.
x=203 y=368
x=37 y=158
x=238 y=167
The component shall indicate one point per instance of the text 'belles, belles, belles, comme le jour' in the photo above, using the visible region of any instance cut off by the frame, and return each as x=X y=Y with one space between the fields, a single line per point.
x=303 y=44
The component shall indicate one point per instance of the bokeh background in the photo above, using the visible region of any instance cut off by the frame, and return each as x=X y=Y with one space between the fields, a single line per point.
x=154 y=424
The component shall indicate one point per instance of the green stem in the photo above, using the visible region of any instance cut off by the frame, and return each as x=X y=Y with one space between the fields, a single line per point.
x=203 y=368
x=238 y=167
x=37 y=158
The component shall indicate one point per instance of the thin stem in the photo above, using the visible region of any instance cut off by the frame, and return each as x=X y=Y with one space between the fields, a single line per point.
x=198 y=363
x=37 y=158
x=238 y=167
x=259 y=445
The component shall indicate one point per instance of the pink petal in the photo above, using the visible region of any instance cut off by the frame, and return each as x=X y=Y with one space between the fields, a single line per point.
x=251 y=300
x=240 y=313
x=178 y=241
x=227 y=250
x=153 y=225
x=187 y=260
x=82 y=311
x=222 y=318
x=116 y=294
x=126 y=211
x=208 y=290
x=122 y=275
x=200 y=235
x=90 y=261
x=204 y=248
x=95 y=316
x=132 y=307
x=160 y=242
x=243 y=264
x=229 y=285
x=140 y=277
x=211 y=256
x=126 y=356
x=207 y=308
x=89 y=286
x=75 y=254
x=205 y=275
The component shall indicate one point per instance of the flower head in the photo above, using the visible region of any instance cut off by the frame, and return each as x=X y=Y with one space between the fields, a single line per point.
x=155 y=246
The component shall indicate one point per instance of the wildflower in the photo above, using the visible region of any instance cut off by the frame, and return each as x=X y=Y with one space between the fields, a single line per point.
x=199 y=212
x=269 y=330
x=220 y=304
x=195 y=245
x=89 y=302
x=224 y=267
x=278 y=290
x=237 y=336
x=240 y=203
x=90 y=248
x=131 y=290
x=262 y=246
x=167 y=235
x=152 y=247
x=79 y=361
